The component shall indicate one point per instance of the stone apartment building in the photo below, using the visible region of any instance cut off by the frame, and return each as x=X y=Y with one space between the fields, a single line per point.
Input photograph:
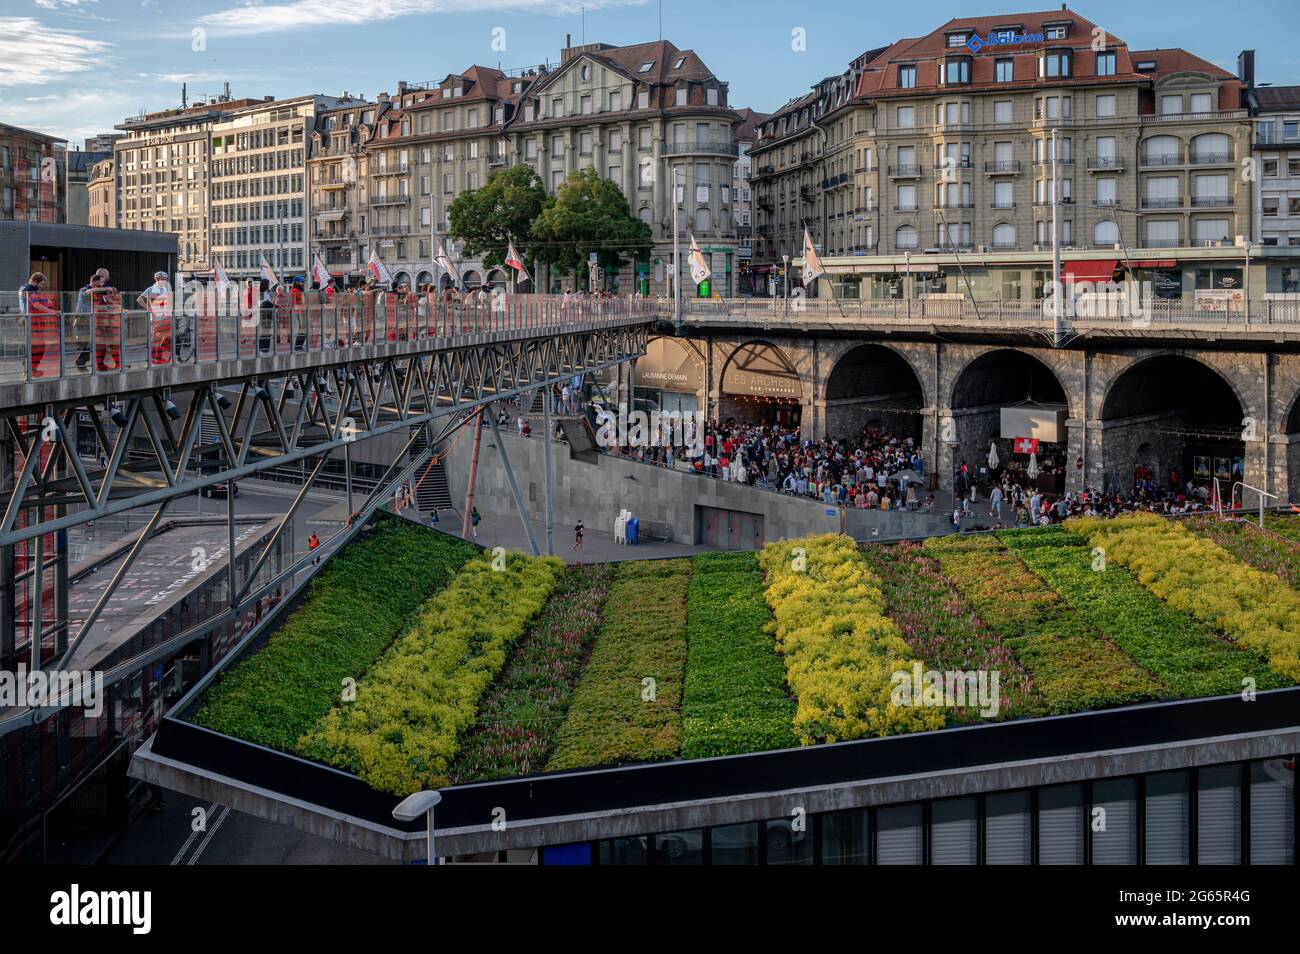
x=742 y=196
x=32 y=176
x=101 y=196
x=637 y=114
x=942 y=145
x=338 y=170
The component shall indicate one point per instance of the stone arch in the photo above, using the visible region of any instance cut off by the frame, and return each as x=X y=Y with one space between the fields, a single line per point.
x=1189 y=412
x=873 y=381
x=758 y=381
x=998 y=378
x=672 y=374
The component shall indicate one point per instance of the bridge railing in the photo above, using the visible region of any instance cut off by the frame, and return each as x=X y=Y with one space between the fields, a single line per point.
x=64 y=335
x=1103 y=311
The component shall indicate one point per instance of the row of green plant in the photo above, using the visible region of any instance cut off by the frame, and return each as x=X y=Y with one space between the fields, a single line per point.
x=1263 y=549
x=411 y=708
x=1193 y=574
x=353 y=609
x=735 y=699
x=1285 y=524
x=1073 y=666
x=840 y=649
x=627 y=704
x=944 y=630
x=522 y=712
x=1185 y=655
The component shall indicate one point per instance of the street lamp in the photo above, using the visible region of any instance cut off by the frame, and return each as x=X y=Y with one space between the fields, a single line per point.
x=785 y=284
x=412 y=807
x=1248 y=246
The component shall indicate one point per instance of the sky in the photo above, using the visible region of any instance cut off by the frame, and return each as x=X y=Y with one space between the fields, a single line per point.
x=74 y=68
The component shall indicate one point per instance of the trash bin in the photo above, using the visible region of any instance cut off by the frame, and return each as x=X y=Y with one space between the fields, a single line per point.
x=633 y=530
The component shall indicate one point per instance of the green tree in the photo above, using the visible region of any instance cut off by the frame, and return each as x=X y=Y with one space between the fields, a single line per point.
x=589 y=214
x=486 y=219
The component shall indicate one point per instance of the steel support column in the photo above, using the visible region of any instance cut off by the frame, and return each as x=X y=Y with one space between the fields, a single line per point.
x=514 y=487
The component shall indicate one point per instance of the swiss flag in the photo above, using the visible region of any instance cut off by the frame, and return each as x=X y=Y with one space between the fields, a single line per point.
x=1026 y=445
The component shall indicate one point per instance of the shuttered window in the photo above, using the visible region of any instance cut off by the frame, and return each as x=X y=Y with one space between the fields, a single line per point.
x=898 y=835
x=1007 y=829
x=1218 y=815
x=1272 y=813
x=1060 y=825
x=1167 y=820
x=1113 y=822
x=954 y=833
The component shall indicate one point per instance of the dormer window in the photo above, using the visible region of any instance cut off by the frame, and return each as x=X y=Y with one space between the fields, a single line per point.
x=647 y=67
x=957 y=40
x=956 y=70
x=1053 y=64
x=907 y=77
x=681 y=61
x=1146 y=66
x=1056 y=31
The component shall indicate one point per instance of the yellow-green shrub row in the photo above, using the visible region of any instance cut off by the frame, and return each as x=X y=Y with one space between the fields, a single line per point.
x=1258 y=611
x=840 y=649
x=617 y=713
x=401 y=733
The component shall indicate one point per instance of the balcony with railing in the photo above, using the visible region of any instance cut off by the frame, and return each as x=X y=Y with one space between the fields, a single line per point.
x=945 y=206
x=701 y=148
x=1002 y=205
x=1105 y=164
x=1047 y=161
x=905 y=208
x=905 y=171
x=1270 y=136
x=1210 y=116
x=1210 y=158
x=1162 y=243
x=1161 y=159
x=998 y=167
x=1212 y=201
x=381 y=201
x=1046 y=203
x=963 y=163
x=1175 y=202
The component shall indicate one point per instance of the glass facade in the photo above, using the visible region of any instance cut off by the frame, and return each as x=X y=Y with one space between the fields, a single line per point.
x=1235 y=813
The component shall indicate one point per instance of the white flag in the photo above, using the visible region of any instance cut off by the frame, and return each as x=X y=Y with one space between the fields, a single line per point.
x=443 y=261
x=268 y=272
x=319 y=273
x=378 y=271
x=812 y=264
x=699 y=267
x=219 y=274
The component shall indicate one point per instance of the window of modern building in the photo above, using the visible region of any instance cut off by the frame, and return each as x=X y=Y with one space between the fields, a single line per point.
x=1272 y=781
x=900 y=837
x=846 y=837
x=1218 y=815
x=907 y=77
x=1061 y=825
x=1106 y=63
x=1167 y=818
x=1004 y=70
x=734 y=844
x=1114 y=811
x=1007 y=822
x=954 y=832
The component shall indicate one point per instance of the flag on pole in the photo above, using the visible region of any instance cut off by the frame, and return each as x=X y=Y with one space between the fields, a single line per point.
x=219 y=274
x=378 y=271
x=268 y=272
x=517 y=263
x=812 y=263
x=443 y=261
x=699 y=267
x=319 y=273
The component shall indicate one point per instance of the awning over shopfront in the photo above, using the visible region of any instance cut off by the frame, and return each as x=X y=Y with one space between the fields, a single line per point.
x=334 y=216
x=1157 y=263
x=1097 y=270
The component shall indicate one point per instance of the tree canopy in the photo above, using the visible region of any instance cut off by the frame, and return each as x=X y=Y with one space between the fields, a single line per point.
x=506 y=207
x=588 y=214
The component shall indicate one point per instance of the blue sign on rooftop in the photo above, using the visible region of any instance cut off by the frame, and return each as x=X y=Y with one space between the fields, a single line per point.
x=1002 y=38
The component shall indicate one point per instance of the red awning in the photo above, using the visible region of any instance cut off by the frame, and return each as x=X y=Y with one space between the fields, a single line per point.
x=1157 y=263
x=1099 y=270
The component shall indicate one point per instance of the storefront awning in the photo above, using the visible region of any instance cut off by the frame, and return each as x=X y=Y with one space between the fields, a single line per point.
x=331 y=216
x=1098 y=270
x=1157 y=263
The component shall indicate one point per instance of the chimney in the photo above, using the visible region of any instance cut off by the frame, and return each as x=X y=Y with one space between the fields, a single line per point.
x=1246 y=68
x=185 y=100
x=225 y=92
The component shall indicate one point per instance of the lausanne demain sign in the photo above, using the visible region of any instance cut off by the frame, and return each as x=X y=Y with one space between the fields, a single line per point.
x=1003 y=38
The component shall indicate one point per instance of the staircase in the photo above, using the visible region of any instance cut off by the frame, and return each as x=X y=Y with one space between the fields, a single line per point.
x=433 y=491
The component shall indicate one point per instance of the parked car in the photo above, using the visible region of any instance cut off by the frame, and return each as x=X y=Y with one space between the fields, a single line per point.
x=219 y=490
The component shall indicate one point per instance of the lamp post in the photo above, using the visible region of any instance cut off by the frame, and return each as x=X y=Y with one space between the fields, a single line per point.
x=412 y=807
x=1248 y=246
x=785 y=285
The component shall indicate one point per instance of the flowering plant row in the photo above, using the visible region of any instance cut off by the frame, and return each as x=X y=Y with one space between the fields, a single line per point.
x=1190 y=573
x=735 y=699
x=352 y=611
x=1267 y=550
x=627 y=705
x=1073 y=666
x=944 y=630
x=401 y=732
x=1187 y=656
x=521 y=714
x=840 y=649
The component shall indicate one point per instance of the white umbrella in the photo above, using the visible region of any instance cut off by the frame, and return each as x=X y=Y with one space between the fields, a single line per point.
x=1032 y=469
x=993 y=455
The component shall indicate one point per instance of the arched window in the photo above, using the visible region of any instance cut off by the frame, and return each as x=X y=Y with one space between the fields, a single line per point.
x=1211 y=147
x=1004 y=235
x=1162 y=151
x=1105 y=232
x=905 y=237
x=645 y=215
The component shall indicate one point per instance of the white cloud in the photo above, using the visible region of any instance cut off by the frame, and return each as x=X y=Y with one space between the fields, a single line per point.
x=32 y=53
x=296 y=14
x=59 y=4
x=73 y=116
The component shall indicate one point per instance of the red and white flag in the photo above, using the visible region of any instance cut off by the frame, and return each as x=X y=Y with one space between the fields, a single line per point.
x=1026 y=445
x=812 y=263
x=517 y=263
x=378 y=271
x=700 y=271
x=219 y=274
x=268 y=272
x=443 y=261
x=319 y=273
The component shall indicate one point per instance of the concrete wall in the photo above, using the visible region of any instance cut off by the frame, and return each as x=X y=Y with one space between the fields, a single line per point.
x=596 y=492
